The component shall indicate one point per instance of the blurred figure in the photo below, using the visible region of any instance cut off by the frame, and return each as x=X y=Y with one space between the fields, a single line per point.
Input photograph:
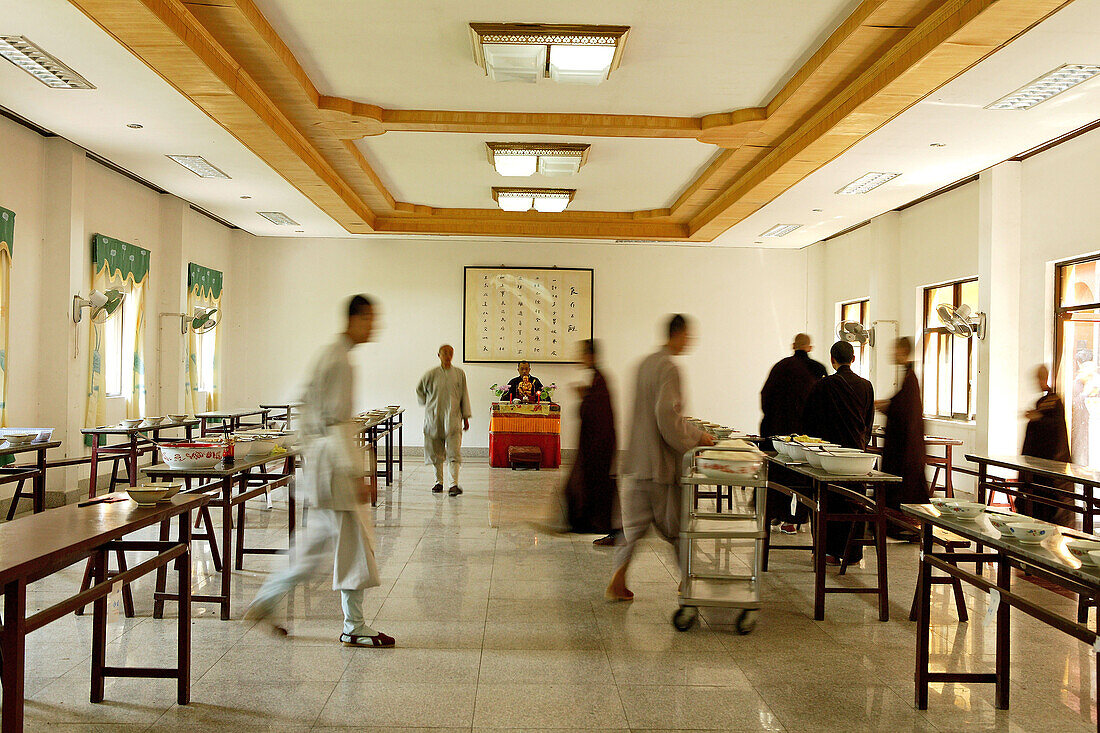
x=659 y=437
x=903 y=450
x=1045 y=437
x=525 y=387
x=591 y=498
x=333 y=470
x=782 y=401
x=841 y=409
x=447 y=413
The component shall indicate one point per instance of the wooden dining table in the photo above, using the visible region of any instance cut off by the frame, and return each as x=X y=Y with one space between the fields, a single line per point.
x=134 y=442
x=945 y=462
x=35 y=547
x=226 y=422
x=229 y=487
x=35 y=473
x=824 y=486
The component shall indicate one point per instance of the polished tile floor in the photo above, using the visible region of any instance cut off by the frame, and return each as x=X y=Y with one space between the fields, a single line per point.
x=503 y=626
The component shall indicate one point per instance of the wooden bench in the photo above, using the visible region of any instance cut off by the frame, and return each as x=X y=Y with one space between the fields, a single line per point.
x=59 y=463
x=527 y=456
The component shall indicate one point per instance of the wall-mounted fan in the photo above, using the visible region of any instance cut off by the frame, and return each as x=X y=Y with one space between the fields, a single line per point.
x=102 y=305
x=855 y=332
x=961 y=321
x=201 y=319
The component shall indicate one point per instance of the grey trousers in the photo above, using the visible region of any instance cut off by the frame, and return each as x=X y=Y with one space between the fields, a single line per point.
x=646 y=503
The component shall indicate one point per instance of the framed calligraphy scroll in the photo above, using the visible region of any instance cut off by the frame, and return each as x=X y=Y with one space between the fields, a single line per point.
x=535 y=314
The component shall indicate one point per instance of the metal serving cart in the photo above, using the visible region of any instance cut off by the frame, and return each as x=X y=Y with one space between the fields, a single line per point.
x=727 y=575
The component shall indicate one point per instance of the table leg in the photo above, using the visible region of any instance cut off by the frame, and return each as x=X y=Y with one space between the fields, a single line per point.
x=161 y=584
x=183 y=630
x=979 y=491
x=1004 y=582
x=400 y=443
x=13 y=639
x=880 y=552
x=948 y=484
x=288 y=469
x=99 y=626
x=94 y=464
x=38 y=483
x=924 y=615
x=819 y=551
x=389 y=455
x=132 y=461
x=227 y=545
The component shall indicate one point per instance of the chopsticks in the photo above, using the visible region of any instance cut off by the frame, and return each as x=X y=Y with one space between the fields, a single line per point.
x=102 y=500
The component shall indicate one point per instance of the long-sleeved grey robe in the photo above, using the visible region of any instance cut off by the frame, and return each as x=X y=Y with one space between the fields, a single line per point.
x=446 y=404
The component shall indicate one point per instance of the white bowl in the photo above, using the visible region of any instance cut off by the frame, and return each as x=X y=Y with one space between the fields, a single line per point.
x=130 y=422
x=962 y=509
x=1029 y=532
x=147 y=495
x=1094 y=557
x=257 y=446
x=1001 y=520
x=849 y=464
x=730 y=465
x=154 y=420
x=1083 y=549
x=20 y=438
x=177 y=418
x=191 y=455
x=169 y=489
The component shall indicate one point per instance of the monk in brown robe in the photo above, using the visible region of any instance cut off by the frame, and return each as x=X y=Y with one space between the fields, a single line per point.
x=782 y=401
x=841 y=409
x=1046 y=437
x=591 y=497
x=903 y=451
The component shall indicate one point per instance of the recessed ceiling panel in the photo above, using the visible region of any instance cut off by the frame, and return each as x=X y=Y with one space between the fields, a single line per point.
x=451 y=170
x=682 y=57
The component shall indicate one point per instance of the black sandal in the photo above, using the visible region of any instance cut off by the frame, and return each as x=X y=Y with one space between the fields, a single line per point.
x=379 y=641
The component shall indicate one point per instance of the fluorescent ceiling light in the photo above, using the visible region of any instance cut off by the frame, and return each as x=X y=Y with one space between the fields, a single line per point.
x=41 y=65
x=780 y=230
x=1046 y=86
x=569 y=54
x=549 y=159
x=546 y=200
x=278 y=217
x=515 y=202
x=580 y=64
x=515 y=165
x=867 y=182
x=199 y=165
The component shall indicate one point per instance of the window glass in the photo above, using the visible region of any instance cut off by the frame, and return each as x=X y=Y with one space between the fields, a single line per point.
x=115 y=361
x=205 y=346
x=950 y=363
x=1077 y=336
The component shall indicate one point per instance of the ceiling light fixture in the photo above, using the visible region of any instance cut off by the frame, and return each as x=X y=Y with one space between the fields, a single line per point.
x=546 y=200
x=867 y=182
x=135 y=125
x=41 y=65
x=780 y=230
x=527 y=52
x=199 y=165
x=525 y=159
x=937 y=145
x=1046 y=86
x=278 y=217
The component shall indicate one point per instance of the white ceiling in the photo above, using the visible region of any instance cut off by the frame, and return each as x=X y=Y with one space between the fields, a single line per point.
x=128 y=91
x=976 y=138
x=681 y=58
x=452 y=170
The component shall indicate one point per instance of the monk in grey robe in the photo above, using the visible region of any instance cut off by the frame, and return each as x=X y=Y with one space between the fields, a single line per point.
x=659 y=437
x=446 y=402
x=333 y=471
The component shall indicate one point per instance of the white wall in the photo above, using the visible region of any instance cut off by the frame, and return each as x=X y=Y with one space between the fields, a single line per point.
x=746 y=304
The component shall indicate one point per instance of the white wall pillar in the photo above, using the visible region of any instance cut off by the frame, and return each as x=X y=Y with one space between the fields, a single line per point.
x=166 y=389
x=885 y=302
x=999 y=257
x=66 y=269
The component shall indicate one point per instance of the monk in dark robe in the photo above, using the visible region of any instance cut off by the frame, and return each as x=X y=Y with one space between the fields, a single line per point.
x=841 y=409
x=903 y=450
x=591 y=497
x=1046 y=437
x=782 y=400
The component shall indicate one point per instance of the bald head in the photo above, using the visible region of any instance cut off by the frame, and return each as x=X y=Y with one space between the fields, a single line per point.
x=803 y=342
x=446 y=354
x=1042 y=377
x=903 y=351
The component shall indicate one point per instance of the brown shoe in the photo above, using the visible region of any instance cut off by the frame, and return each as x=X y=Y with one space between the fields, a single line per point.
x=609 y=541
x=378 y=641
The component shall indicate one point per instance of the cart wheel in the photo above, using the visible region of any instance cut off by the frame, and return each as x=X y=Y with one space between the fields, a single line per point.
x=685 y=617
x=746 y=622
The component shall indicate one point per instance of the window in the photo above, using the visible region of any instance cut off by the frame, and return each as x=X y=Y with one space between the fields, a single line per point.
x=205 y=344
x=116 y=360
x=950 y=362
x=857 y=311
x=1076 y=336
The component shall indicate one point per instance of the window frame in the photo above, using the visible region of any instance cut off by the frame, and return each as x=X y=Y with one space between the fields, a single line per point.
x=943 y=336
